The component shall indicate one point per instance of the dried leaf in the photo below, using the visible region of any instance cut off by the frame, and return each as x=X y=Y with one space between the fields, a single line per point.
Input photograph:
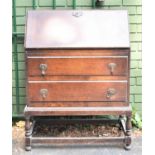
x=20 y=124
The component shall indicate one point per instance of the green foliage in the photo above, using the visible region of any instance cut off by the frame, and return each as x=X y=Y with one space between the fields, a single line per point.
x=136 y=119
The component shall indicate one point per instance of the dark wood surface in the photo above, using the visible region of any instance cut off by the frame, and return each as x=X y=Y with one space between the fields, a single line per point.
x=82 y=73
x=77 y=111
x=78 y=52
x=76 y=104
x=77 y=84
x=77 y=78
x=78 y=91
x=77 y=65
x=63 y=29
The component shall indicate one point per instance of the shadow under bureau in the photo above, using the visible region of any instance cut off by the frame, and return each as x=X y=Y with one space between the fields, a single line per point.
x=77 y=64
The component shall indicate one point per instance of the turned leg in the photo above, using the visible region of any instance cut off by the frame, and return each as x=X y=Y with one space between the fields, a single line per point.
x=27 y=134
x=128 y=132
x=122 y=123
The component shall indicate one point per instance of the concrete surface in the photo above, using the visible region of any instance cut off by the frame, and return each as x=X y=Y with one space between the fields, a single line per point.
x=115 y=149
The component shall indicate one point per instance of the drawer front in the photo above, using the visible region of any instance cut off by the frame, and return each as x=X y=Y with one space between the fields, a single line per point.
x=77 y=91
x=76 y=65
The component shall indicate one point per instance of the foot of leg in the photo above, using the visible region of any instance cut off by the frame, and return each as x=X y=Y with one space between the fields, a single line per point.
x=127 y=141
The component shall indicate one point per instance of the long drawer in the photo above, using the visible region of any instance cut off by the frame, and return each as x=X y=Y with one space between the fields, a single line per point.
x=77 y=91
x=77 y=65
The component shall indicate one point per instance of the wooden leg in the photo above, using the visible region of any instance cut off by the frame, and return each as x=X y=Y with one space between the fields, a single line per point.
x=27 y=134
x=122 y=123
x=128 y=132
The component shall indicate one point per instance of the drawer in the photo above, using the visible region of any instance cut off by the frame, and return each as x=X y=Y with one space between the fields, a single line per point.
x=77 y=91
x=78 y=65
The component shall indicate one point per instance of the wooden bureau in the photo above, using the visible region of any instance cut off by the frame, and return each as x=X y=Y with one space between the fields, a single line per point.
x=77 y=65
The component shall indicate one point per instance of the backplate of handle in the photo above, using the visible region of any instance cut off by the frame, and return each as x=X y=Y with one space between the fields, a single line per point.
x=43 y=93
x=112 y=67
x=111 y=92
x=43 y=68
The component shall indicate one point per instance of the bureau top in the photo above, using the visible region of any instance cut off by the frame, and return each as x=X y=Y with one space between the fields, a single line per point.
x=77 y=29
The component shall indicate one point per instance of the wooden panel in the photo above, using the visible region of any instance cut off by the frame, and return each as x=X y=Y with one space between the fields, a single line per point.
x=78 y=65
x=76 y=104
x=76 y=78
x=82 y=111
x=78 y=52
x=78 y=29
x=77 y=91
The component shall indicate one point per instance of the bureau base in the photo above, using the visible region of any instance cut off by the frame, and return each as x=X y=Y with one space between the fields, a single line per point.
x=124 y=114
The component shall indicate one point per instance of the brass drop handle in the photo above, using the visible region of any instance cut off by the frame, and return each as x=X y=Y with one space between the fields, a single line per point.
x=43 y=68
x=43 y=93
x=111 y=92
x=112 y=67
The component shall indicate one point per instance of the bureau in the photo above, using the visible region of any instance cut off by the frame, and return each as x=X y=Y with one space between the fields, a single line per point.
x=77 y=64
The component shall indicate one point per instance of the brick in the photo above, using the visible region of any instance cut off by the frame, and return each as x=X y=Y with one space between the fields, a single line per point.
x=113 y=2
x=20 y=28
x=138 y=98
x=134 y=46
x=21 y=65
x=138 y=107
x=136 y=90
x=21 y=109
x=135 y=37
x=20 y=20
x=132 y=2
x=13 y=74
x=139 y=10
x=45 y=2
x=134 y=64
x=82 y=2
x=132 y=81
x=136 y=56
x=133 y=28
x=135 y=19
x=139 y=64
x=44 y=8
x=135 y=72
x=139 y=46
x=21 y=57
x=13 y=66
x=132 y=104
x=21 y=100
x=14 y=108
x=139 y=28
x=21 y=83
x=131 y=10
x=65 y=3
x=22 y=91
x=20 y=11
x=131 y=98
x=21 y=75
x=132 y=19
x=23 y=3
x=20 y=47
x=139 y=81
